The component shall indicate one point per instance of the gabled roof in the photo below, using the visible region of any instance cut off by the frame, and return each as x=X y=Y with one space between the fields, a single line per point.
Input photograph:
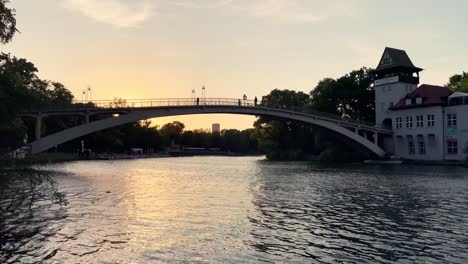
x=431 y=95
x=395 y=58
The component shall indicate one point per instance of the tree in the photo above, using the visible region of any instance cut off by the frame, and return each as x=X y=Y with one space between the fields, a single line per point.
x=21 y=89
x=172 y=132
x=7 y=22
x=282 y=139
x=348 y=96
x=286 y=99
x=58 y=94
x=458 y=83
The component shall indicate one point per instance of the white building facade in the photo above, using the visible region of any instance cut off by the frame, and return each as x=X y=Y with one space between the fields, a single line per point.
x=429 y=122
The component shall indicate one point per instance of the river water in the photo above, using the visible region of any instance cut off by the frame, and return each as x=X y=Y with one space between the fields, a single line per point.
x=238 y=210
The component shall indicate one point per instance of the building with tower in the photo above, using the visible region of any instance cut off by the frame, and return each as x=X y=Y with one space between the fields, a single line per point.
x=428 y=121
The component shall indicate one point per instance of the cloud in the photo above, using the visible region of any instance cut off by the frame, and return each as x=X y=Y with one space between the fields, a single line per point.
x=131 y=13
x=301 y=11
x=282 y=11
x=119 y=13
x=199 y=4
x=277 y=11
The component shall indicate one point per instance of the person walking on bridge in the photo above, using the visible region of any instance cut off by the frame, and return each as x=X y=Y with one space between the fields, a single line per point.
x=245 y=99
x=198 y=101
x=255 y=101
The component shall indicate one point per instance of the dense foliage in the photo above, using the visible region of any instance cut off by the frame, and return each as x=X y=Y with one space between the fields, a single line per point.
x=151 y=139
x=459 y=82
x=7 y=22
x=349 y=96
x=229 y=140
x=21 y=89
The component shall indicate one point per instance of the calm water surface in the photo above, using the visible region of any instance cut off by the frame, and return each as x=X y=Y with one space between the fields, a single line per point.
x=241 y=210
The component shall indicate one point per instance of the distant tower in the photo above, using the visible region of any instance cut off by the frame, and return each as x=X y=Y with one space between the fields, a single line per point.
x=394 y=77
x=215 y=128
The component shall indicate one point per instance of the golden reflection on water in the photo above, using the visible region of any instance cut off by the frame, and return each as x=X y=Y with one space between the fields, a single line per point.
x=165 y=206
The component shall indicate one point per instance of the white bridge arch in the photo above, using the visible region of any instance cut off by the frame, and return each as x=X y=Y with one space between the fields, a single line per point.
x=131 y=111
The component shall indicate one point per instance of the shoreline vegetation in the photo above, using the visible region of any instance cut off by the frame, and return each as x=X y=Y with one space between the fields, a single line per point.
x=59 y=157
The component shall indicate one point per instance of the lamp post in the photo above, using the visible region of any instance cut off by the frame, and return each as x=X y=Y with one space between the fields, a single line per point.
x=204 y=94
x=89 y=94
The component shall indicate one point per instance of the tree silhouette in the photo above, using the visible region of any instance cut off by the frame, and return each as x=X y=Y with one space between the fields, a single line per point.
x=7 y=22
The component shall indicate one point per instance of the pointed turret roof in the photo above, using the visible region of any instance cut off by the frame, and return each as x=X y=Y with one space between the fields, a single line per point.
x=396 y=58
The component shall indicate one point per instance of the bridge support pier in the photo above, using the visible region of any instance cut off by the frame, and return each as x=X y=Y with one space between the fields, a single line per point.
x=38 y=127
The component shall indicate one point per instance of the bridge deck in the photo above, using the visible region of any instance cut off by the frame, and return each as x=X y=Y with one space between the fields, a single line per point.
x=126 y=106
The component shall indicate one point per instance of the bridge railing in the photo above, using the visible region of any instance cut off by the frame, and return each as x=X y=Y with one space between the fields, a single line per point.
x=118 y=103
x=141 y=103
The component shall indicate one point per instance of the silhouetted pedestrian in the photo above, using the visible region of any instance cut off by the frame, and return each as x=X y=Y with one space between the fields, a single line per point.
x=239 y=102
x=255 y=101
x=198 y=101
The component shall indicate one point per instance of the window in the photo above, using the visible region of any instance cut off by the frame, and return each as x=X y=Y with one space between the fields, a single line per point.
x=452 y=120
x=419 y=100
x=411 y=149
x=386 y=59
x=399 y=122
x=422 y=147
x=408 y=101
x=409 y=122
x=430 y=120
x=452 y=147
x=419 y=121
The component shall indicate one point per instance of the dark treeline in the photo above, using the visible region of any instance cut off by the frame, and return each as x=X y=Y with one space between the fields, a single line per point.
x=20 y=90
x=350 y=96
x=171 y=135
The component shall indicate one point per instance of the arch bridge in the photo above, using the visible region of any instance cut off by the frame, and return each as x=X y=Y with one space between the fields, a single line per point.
x=363 y=136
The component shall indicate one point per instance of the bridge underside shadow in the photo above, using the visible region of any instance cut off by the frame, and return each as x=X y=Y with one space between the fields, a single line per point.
x=343 y=130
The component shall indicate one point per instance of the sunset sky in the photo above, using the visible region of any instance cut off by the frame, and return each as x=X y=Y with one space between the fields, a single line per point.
x=165 y=48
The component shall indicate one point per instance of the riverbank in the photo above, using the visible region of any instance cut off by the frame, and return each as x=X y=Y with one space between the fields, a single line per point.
x=42 y=158
x=57 y=157
x=439 y=163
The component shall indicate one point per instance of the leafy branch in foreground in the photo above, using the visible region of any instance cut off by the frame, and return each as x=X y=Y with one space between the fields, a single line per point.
x=7 y=22
x=22 y=189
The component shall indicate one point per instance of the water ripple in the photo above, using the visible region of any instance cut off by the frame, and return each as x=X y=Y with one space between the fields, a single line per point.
x=242 y=210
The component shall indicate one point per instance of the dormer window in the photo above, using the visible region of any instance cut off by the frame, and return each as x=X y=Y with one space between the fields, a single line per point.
x=386 y=59
x=419 y=100
x=408 y=102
